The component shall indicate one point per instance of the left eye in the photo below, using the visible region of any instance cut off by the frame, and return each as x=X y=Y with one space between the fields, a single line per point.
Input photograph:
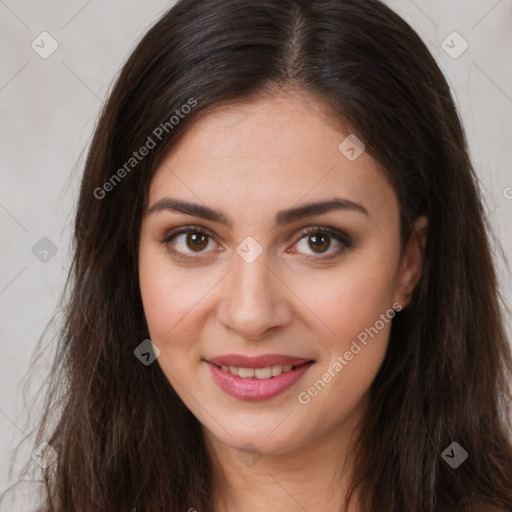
x=320 y=240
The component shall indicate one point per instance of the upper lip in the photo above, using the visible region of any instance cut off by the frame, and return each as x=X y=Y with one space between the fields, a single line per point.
x=262 y=361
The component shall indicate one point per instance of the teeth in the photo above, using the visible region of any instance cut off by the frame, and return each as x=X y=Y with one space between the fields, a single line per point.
x=259 y=373
x=246 y=373
x=263 y=373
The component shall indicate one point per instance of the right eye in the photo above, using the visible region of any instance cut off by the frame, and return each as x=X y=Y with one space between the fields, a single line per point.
x=188 y=240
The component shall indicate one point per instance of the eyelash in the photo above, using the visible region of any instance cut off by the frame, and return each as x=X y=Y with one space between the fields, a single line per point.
x=339 y=236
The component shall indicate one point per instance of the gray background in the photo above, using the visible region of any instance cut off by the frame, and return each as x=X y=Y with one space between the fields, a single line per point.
x=49 y=107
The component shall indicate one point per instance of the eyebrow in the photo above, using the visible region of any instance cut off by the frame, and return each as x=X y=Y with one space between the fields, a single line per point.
x=283 y=217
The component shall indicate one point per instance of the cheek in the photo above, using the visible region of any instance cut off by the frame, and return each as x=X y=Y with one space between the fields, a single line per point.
x=354 y=305
x=349 y=299
x=171 y=305
x=168 y=296
x=358 y=311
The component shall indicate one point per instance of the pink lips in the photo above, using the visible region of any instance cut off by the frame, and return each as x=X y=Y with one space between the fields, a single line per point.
x=252 y=388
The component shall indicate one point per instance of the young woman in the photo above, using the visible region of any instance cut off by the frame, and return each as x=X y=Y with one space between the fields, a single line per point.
x=282 y=292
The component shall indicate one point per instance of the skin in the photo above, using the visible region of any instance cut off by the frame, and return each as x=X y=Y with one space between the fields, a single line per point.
x=252 y=160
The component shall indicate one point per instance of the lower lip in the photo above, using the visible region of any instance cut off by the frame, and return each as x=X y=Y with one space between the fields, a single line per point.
x=256 y=389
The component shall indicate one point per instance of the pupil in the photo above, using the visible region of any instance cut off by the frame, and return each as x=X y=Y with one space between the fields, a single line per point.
x=198 y=240
x=320 y=242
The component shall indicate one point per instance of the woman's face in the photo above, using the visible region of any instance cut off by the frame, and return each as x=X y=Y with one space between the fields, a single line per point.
x=249 y=275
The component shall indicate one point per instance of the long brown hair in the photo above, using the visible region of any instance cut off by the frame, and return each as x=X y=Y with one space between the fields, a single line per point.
x=123 y=436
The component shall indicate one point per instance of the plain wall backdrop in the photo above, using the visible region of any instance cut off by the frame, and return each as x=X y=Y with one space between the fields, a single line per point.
x=49 y=103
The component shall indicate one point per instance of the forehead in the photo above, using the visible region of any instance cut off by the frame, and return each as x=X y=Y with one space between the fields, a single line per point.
x=268 y=152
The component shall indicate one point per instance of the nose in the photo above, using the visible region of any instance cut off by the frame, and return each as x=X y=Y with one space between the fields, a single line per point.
x=255 y=299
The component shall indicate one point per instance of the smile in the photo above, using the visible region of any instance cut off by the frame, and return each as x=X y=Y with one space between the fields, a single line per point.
x=257 y=383
x=257 y=373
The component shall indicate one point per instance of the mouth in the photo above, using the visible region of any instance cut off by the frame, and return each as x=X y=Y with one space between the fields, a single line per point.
x=253 y=380
x=267 y=372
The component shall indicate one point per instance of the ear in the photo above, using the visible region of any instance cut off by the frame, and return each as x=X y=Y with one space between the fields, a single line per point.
x=409 y=271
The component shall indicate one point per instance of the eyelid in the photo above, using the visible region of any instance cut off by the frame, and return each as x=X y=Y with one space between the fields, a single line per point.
x=336 y=233
x=186 y=229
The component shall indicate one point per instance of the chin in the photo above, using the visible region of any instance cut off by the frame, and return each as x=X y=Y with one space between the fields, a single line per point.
x=266 y=437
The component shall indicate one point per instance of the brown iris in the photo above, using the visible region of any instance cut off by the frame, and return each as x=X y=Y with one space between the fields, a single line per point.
x=197 y=241
x=320 y=243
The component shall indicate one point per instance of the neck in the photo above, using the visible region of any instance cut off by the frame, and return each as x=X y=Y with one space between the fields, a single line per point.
x=313 y=476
